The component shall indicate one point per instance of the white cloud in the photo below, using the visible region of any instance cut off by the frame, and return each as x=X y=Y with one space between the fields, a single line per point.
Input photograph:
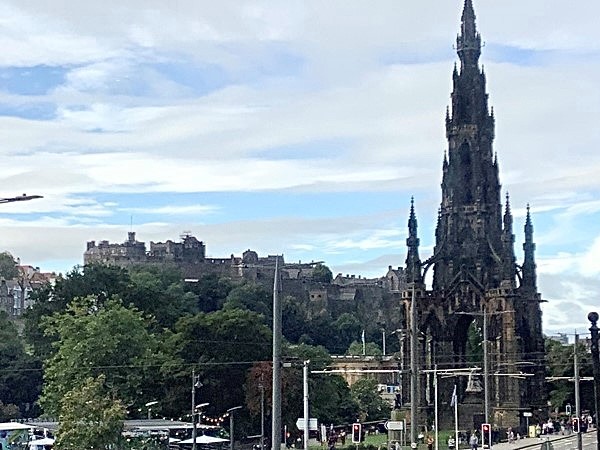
x=295 y=97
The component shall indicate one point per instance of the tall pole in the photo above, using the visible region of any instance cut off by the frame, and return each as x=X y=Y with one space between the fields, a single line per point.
x=436 y=413
x=577 y=401
x=306 y=413
x=414 y=390
x=383 y=339
x=231 y=438
x=593 y=317
x=486 y=370
x=262 y=414
x=193 y=409
x=231 y=434
x=276 y=407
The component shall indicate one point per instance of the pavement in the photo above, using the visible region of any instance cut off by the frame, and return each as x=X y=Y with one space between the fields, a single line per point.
x=549 y=442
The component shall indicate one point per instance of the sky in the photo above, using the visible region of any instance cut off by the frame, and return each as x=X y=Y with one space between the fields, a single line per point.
x=300 y=128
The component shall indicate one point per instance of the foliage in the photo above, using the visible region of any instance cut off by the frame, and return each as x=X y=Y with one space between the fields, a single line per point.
x=251 y=296
x=322 y=273
x=160 y=292
x=474 y=351
x=20 y=378
x=90 y=417
x=372 y=406
x=371 y=349
x=348 y=329
x=96 y=338
x=560 y=363
x=9 y=412
x=220 y=346
x=211 y=291
x=96 y=280
x=8 y=266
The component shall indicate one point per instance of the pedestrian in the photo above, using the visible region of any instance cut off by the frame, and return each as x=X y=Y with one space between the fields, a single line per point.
x=474 y=441
x=429 y=442
x=511 y=436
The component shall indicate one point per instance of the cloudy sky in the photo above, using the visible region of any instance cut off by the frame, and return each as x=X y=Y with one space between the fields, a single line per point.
x=294 y=127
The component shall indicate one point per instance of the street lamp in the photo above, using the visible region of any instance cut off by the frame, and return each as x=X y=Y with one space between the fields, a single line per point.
x=195 y=384
x=230 y=411
x=148 y=405
x=593 y=317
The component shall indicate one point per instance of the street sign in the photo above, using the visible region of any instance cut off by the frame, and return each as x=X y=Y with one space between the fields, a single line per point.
x=527 y=414
x=312 y=424
x=394 y=425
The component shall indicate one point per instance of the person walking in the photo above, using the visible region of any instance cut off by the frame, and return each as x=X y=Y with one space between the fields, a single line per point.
x=430 y=442
x=474 y=441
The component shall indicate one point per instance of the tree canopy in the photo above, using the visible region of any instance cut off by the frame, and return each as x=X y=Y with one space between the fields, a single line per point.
x=95 y=338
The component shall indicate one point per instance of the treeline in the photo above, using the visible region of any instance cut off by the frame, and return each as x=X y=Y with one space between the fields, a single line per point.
x=118 y=339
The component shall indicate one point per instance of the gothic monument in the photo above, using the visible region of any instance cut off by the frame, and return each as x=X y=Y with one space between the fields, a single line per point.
x=476 y=278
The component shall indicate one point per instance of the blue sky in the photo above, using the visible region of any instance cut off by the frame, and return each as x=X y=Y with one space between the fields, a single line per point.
x=295 y=127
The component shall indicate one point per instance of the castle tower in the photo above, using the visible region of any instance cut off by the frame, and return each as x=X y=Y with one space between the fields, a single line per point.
x=476 y=280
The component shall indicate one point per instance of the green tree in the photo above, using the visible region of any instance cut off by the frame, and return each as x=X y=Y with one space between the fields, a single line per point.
x=8 y=266
x=221 y=346
x=99 y=339
x=560 y=363
x=372 y=406
x=322 y=273
x=96 y=280
x=20 y=378
x=252 y=296
x=371 y=349
x=348 y=329
x=91 y=417
x=474 y=351
x=160 y=292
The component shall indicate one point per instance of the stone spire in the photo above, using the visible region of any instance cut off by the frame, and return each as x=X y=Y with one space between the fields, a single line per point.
x=508 y=247
x=468 y=42
x=413 y=262
x=469 y=232
x=529 y=267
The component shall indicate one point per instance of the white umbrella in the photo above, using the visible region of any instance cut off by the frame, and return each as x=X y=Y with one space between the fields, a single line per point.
x=41 y=442
x=204 y=440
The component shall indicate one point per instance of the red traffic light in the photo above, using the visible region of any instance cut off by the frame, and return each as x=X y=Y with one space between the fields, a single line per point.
x=356 y=433
x=485 y=427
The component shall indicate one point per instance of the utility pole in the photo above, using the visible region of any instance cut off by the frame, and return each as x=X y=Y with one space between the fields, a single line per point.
x=486 y=370
x=276 y=407
x=305 y=395
x=262 y=412
x=593 y=318
x=414 y=375
x=577 y=401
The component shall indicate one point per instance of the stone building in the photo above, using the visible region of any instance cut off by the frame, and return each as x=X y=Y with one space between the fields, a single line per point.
x=15 y=294
x=476 y=277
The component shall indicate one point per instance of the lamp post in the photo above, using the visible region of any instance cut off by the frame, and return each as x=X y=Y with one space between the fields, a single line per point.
x=195 y=384
x=230 y=411
x=593 y=317
x=149 y=406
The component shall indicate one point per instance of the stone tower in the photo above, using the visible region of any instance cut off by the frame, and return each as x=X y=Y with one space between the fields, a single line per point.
x=476 y=279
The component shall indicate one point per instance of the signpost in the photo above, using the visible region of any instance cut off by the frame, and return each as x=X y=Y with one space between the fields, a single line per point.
x=527 y=415
x=312 y=424
x=394 y=425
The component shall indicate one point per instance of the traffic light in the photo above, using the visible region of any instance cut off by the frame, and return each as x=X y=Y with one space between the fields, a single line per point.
x=486 y=435
x=576 y=427
x=356 y=433
x=568 y=410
